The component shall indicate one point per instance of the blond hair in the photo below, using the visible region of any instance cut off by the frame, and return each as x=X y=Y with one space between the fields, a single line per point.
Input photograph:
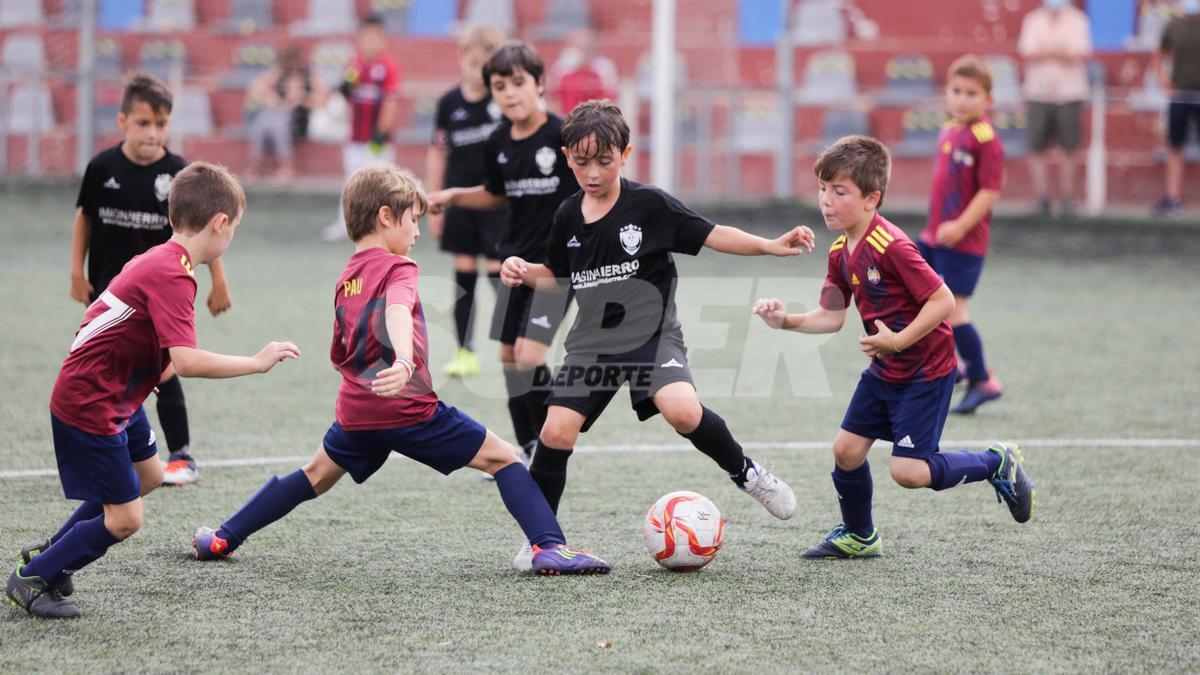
x=374 y=187
x=201 y=191
x=484 y=38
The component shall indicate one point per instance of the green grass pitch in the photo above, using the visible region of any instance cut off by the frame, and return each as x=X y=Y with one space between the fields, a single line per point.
x=1090 y=327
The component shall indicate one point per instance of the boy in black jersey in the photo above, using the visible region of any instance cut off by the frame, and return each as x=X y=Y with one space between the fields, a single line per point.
x=525 y=169
x=612 y=243
x=122 y=213
x=466 y=117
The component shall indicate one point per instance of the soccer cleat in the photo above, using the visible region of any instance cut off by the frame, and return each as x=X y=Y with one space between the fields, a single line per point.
x=210 y=546
x=523 y=560
x=1168 y=208
x=66 y=585
x=180 y=470
x=842 y=544
x=562 y=559
x=977 y=395
x=1012 y=483
x=39 y=598
x=465 y=364
x=771 y=492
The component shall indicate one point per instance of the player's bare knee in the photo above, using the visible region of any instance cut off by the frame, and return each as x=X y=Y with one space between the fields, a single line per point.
x=123 y=525
x=558 y=436
x=911 y=475
x=684 y=418
x=847 y=456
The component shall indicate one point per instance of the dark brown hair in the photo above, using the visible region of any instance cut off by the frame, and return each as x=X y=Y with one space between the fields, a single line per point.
x=201 y=191
x=512 y=56
x=149 y=90
x=602 y=119
x=375 y=186
x=973 y=68
x=862 y=159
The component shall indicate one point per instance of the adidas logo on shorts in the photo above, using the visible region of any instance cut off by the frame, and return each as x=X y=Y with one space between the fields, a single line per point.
x=906 y=442
x=671 y=364
x=542 y=321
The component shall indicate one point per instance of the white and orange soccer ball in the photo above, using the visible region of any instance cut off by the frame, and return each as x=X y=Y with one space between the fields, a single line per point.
x=684 y=531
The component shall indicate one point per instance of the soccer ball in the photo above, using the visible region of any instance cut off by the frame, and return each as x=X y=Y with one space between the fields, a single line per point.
x=684 y=531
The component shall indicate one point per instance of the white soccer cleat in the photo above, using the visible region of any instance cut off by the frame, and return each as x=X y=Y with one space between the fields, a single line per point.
x=771 y=492
x=178 y=472
x=523 y=560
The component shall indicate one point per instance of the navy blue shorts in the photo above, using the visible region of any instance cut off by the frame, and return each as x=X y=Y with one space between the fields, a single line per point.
x=911 y=416
x=448 y=441
x=100 y=468
x=959 y=270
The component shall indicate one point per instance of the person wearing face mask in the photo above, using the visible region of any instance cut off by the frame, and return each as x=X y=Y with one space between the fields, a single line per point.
x=1055 y=44
x=1181 y=44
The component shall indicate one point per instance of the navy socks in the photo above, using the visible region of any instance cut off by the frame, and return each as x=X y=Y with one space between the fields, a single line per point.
x=549 y=471
x=86 y=511
x=950 y=469
x=272 y=501
x=855 y=490
x=970 y=347
x=528 y=506
x=84 y=543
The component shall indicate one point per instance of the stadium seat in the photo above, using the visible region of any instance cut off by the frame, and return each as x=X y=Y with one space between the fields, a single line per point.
x=192 y=115
x=645 y=74
x=166 y=16
x=498 y=14
x=394 y=14
x=248 y=16
x=108 y=64
x=30 y=110
x=250 y=61
x=1006 y=79
x=327 y=17
x=562 y=17
x=921 y=127
x=68 y=16
x=330 y=60
x=121 y=15
x=909 y=81
x=756 y=124
x=434 y=18
x=841 y=122
x=829 y=78
x=1011 y=129
x=104 y=117
x=161 y=58
x=23 y=55
x=21 y=13
x=818 y=22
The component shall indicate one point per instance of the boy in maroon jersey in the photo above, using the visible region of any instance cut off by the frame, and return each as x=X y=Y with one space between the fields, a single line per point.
x=386 y=402
x=967 y=176
x=141 y=324
x=904 y=395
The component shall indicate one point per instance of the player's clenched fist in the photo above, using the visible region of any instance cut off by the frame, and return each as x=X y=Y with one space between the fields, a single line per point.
x=275 y=352
x=771 y=311
x=512 y=272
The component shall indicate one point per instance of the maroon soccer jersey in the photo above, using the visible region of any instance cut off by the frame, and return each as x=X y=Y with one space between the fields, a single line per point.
x=375 y=82
x=120 y=351
x=372 y=280
x=890 y=281
x=970 y=158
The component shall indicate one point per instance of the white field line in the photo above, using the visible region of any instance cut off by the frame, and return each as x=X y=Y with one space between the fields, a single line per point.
x=687 y=447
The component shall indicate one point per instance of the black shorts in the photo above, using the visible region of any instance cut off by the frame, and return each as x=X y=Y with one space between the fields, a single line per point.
x=522 y=313
x=1049 y=123
x=586 y=383
x=471 y=232
x=1181 y=115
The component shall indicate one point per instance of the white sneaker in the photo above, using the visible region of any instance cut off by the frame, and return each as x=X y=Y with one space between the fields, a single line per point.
x=523 y=560
x=333 y=232
x=180 y=472
x=771 y=492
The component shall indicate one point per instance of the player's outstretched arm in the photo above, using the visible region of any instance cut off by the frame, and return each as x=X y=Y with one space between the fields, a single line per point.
x=435 y=169
x=477 y=198
x=739 y=242
x=885 y=341
x=81 y=238
x=516 y=271
x=192 y=362
x=391 y=381
x=219 y=299
x=820 y=320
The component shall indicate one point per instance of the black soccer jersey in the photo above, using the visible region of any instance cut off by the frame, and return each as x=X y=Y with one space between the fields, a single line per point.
x=462 y=128
x=621 y=268
x=126 y=208
x=534 y=175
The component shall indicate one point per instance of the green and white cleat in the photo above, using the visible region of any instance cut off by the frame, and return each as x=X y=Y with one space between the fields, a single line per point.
x=1012 y=484
x=842 y=544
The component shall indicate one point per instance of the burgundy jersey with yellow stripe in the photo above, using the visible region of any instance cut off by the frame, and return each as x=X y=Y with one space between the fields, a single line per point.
x=890 y=281
x=970 y=158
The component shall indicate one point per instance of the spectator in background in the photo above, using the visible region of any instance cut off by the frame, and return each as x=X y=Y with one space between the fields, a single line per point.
x=282 y=98
x=1055 y=42
x=581 y=73
x=1181 y=42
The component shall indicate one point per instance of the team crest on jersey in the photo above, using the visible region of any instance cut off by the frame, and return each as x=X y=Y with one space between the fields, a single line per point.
x=493 y=110
x=546 y=158
x=459 y=115
x=162 y=186
x=873 y=274
x=631 y=238
x=962 y=157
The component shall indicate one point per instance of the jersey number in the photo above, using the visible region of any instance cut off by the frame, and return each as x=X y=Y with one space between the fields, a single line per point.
x=371 y=324
x=116 y=313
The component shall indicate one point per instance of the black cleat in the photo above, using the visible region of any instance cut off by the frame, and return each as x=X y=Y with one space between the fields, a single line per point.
x=1012 y=484
x=66 y=586
x=35 y=596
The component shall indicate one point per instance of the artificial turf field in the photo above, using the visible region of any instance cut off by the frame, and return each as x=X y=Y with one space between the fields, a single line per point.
x=1089 y=325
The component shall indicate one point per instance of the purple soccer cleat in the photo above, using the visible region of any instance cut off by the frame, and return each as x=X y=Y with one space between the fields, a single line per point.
x=210 y=546
x=562 y=559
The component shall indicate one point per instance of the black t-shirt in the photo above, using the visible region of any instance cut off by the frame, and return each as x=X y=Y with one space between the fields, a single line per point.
x=462 y=128
x=126 y=208
x=534 y=175
x=621 y=268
